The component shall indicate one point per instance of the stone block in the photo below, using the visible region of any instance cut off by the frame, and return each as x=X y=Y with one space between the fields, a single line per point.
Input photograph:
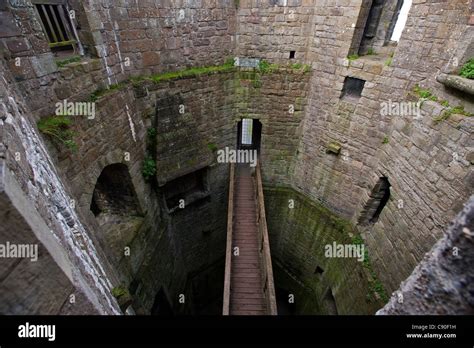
x=151 y=58
x=43 y=64
x=8 y=27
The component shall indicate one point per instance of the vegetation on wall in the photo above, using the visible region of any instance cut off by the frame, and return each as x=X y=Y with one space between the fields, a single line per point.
x=119 y=291
x=426 y=94
x=58 y=128
x=370 y=52
x=149 y=168
x=389 y=60
x=149 y=163
x=467 y=69
x=151 y=133
x=446 y=114
x=63 y=62
x=104 y=91
x=355 y=56
x=352 y=57
x=212 y=147
x=376 y=287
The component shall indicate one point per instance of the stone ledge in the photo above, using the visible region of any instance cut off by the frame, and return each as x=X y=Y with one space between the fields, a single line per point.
x=457 y=82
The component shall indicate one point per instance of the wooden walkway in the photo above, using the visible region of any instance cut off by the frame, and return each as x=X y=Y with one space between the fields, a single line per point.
x=246 y=294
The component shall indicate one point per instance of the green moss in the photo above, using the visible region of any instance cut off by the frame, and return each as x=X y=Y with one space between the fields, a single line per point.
x=119 y=291
x=371 y=52
x=104 y=91
x=149 y=168
x=385 y=140
x=58 y=129
x=375 y=285
x=212 y=147
x=192 y=72
x=467 y=69
x=297 y=66
x=425 y=93
x=334 y=148
x=167 y=76
x=340 y=224
x=265 y=67
x=352 y=57
x=446 y=114
x=62 y=62
x=151 y=132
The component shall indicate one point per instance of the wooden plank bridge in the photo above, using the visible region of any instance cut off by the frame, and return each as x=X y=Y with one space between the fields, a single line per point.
x=248 y=284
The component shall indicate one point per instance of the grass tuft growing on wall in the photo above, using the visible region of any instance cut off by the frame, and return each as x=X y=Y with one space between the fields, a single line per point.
x=63 y=62
x=58 y=129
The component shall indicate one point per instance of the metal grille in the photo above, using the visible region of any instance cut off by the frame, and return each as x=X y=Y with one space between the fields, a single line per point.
x=247 y=125
x=56 y=24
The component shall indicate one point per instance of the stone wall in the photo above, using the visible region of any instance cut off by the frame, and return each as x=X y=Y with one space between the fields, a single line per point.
x=142 y=37
x=414 y=154
x=299 y=230
x=270 y=29
x=42 y=212
x=442 y=283
x=428 y=163
x=278 y=100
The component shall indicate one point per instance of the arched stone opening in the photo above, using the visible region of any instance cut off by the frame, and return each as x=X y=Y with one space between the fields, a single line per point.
x=114 y=193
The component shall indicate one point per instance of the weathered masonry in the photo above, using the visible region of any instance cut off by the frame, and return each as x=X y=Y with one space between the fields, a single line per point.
x=126 y=198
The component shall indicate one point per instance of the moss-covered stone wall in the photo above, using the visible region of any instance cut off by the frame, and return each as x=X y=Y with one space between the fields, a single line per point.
x=298 y=237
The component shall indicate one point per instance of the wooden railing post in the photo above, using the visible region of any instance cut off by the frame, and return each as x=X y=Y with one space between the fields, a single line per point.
x=264 y=247
x=228 y=256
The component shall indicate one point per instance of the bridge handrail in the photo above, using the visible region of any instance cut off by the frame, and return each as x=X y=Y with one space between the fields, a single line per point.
x=228 y=257
x=264 y=248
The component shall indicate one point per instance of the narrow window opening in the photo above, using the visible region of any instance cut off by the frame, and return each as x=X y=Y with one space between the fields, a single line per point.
x=401 y=20
x=249 y=133
x=58 y=28
x=352 y=88
x=377 y=201
x=247 y=126
x=379 y=26
x=292 y=54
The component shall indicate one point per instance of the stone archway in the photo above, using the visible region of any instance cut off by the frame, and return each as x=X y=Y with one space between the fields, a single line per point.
x=116 y=208
x=114 y=193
